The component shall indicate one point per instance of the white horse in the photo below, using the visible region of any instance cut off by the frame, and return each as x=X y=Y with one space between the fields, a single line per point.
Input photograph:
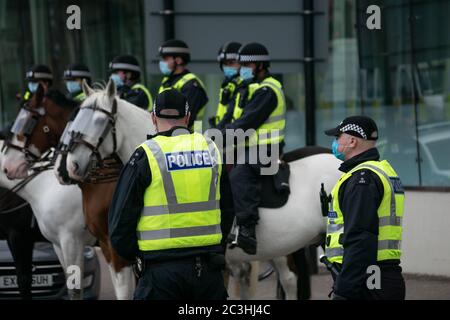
x=279 y=232
x=59 y=215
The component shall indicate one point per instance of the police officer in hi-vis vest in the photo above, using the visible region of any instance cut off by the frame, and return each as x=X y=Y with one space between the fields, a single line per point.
x=175 y=56
x=126 y=74
x=37 y=74
x=73 y=77
x=260 y=107
x=172 y=210
x=364 y=229
x=228 y=58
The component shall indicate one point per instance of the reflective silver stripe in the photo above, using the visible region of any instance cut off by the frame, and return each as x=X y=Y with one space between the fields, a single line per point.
x=169 y=187
x=333 y=228
x=179 y=232
x=124 y=66
x=390 y=221
x=39 y=75
x=382 y=245
x=181 y=208
x=251 y=58
x=75 y=73
x=273 y=119
x=393 y=206
x=174 y=50
x=334 y=252
x=227 y=56
x=389 y=244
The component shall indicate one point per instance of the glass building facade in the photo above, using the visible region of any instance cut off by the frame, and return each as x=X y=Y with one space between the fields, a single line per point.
x=399 y=75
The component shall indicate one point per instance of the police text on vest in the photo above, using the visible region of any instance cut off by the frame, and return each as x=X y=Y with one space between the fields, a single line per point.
x=188 y=160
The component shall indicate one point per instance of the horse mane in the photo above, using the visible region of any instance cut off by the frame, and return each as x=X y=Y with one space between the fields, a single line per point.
x=60 y=99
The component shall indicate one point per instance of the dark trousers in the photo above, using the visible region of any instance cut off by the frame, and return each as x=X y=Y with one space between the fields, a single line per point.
x=180 y=281
x=392 y=287
x=246 y=188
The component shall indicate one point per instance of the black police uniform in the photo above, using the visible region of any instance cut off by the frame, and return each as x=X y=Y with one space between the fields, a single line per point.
x=245 y=178
x=168 y=274
x=194 y=92
x=230 y=100
x=359 y=200
x=77 y=71
x=35 y=74
x=134 y=96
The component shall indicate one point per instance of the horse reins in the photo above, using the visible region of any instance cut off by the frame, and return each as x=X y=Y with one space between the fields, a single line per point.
x=112 y=164
x=77 y=137
x=20 y=186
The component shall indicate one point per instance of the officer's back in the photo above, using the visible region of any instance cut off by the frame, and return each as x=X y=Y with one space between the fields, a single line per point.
x=168 y=210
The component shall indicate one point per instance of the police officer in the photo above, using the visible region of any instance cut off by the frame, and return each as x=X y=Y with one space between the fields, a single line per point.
x=73 y=77
x=126 y=74
x=228 y=57
x=175 y=56
x=37 y=74
x=365 y=217
x=168 y=211
x=262 y=108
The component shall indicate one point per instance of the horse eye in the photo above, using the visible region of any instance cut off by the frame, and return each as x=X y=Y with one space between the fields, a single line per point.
x=99 y=120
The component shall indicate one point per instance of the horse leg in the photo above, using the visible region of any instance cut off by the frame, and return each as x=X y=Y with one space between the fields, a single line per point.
x=300 y=265
x=247 y=278
x=106 y=250
x=122 y=275
x=21 y=247
x=73 y=255
x=287 y=278
x=59 y=254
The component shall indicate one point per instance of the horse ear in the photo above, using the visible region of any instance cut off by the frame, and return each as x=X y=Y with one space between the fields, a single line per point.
x=111 y=89
x=86 y=89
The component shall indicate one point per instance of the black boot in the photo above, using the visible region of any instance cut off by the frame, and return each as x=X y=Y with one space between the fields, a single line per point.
x=246 y=239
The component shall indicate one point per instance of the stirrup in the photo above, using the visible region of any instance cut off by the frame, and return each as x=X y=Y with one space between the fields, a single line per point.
x=235 y=241
x=235 y=229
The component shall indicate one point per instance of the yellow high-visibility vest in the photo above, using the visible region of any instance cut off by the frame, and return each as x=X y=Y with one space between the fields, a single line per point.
x=229 y=90
x=272 y=130
x=139 y=86
x=80 y=97
x=179 y=84
x=182 y=203
x=390 y=214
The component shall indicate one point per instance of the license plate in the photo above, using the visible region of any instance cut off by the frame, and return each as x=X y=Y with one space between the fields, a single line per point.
x=39 y=280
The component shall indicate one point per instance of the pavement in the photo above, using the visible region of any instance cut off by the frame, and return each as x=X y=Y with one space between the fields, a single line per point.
x=417 y=287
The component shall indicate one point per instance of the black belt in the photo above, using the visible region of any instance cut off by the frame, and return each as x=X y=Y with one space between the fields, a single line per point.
x=211 y=260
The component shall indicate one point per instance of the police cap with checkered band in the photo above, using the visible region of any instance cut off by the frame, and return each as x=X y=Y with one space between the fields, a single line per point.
x=175 y=48
x=254 y=52
x=357 y=126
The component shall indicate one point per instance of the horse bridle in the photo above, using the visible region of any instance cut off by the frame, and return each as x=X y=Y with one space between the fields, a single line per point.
x=29 y=155
x=77 y=136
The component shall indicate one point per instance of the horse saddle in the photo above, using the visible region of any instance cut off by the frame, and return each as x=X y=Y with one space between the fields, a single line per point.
x=275 y=189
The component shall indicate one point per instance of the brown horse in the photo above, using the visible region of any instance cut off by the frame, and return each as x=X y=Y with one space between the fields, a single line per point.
x=96 y=195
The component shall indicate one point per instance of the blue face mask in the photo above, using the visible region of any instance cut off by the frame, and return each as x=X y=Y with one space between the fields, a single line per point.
x=164 y=68
x=246 y=73
x=73 y=86
x=230 y=72
x=32 y=86
x=117 y=80
x=337 y=154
